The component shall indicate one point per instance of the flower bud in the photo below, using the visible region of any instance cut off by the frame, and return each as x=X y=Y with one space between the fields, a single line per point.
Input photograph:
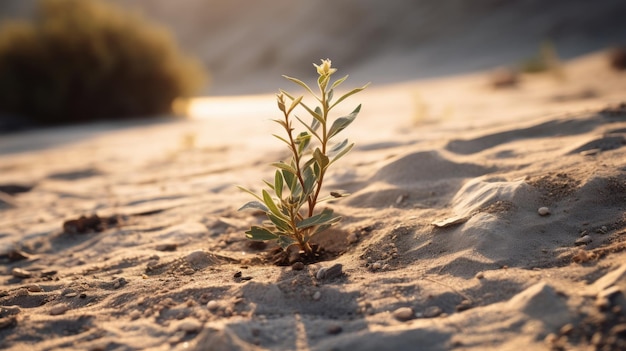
x=280 y=99
x=325 y=69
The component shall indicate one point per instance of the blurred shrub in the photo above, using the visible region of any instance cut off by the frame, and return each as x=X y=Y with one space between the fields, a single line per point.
x=84 y=59
x=547 y=60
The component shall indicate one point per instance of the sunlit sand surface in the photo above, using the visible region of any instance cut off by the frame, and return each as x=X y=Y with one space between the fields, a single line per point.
x=228 y=106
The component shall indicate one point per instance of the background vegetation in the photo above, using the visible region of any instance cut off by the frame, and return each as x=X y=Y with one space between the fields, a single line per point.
x=83 y=59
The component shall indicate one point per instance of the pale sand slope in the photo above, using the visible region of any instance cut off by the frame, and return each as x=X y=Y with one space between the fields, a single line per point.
x=502 y=278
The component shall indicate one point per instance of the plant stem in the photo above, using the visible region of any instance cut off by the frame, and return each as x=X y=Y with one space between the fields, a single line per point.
x=294 y=212
x=320 y=181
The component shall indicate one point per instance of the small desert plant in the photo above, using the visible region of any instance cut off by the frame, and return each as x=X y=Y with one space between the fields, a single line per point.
x=85 y=59
x=291 y=200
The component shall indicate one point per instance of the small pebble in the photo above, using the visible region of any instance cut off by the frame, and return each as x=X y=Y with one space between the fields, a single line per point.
x=584 y=240
x=200 y=259
x=58 y=309
x=432 y=312
x=479 y=275
x=330 y=272
x=543 y=211
x=403 y=314
x=212 y=305
x=34 y=288
x=21 y=273
x=317 y=295
x=134 y=315
x=334 y=329
x=298 y=266
x=166 y=247
x=377 y=265
x=71 y=294
x=189 y=325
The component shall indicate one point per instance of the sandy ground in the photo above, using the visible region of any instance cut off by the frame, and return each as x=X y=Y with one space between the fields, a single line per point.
x=443 y=244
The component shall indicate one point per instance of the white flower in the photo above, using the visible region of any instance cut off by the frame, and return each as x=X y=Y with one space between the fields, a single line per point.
x=325 y=69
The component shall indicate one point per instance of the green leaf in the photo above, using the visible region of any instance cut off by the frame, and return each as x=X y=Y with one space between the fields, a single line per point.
x=302 y=140
x=281 y=103
x=278 y=184
x=338 y=81
x=254 y=205
x=309 y=163
x=282 y=139
x=321 y=159
x=338 y=147
x=290 y=179
x=315 y=124
x=342 y=122
x=312 y=131
x=281 y=122
x=260 y=234
x=296 y=190
x=341 y=153
x=317 y=170
x=294 y=104
x=280 y=223
x=317 y=113
x=326 y=217
x=270 y=185
x=249 y=192
x=300 y=83
x=329 y=98
x=322 y=82
x=271 y=205
x=321 y=228
x=284 y=166
x=348 y=94
x=284 y=241
x=309 y=180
